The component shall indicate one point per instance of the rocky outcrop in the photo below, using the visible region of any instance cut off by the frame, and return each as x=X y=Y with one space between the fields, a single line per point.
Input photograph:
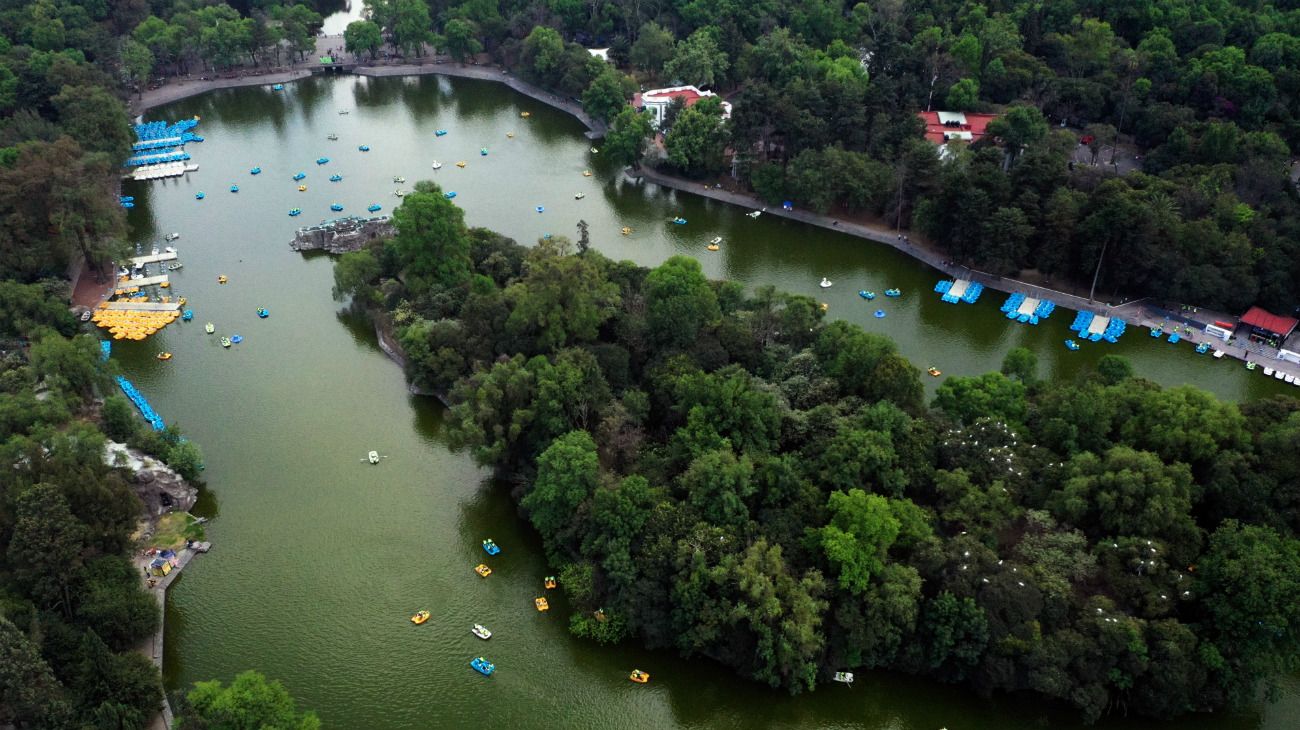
x=160 y=489
x=342 y=235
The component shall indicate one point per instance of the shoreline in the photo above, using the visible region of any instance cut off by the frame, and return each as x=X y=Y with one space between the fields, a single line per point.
x=186 y=89
x=1135 y=312
x=1138 y=313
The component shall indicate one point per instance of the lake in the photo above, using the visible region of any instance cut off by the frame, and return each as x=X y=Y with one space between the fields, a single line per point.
x=320 y=558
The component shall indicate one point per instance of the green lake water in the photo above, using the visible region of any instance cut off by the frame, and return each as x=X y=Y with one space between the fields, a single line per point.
x=319 y=558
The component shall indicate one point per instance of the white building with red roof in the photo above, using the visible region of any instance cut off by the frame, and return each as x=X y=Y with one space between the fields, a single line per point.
x=656 y=101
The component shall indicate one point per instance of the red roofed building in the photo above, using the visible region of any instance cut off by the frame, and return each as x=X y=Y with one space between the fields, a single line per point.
x=1267 y=327
x=656 y=101
x=944 y=127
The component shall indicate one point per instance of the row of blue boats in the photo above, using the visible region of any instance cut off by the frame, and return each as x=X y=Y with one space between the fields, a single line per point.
x=162 y=130
x=138 y=399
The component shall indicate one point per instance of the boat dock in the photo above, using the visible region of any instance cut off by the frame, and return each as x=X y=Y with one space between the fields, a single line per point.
x=960 y=290
x=153 y=259
x=147 y=281
x=1025 y=309
x=144 y=306
x=1098 y=325
x=158 y=172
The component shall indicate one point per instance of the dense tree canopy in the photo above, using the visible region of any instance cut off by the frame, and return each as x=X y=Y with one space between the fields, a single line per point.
x=723 y=473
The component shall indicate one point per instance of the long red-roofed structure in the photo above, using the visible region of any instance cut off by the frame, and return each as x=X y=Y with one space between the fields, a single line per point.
x=942 y=127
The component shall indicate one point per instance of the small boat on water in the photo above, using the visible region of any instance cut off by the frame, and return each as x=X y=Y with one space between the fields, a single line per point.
x=344 y=111
x=222 y=279
x=1251 y=366
x=1071 y=345
x=594 y=151
x=586 y=173
x=225 y=342
x=713 y=246
x=867 y=295
x=255 y=171
x=482 y=151
x=540 y=209
x=678 y=221
x=399 y=193
x=278 y=87
x=440 y=133
x=374 y=207
x=549 y=582
x=263 y=312
x=579 y=196
x=364 y=148
x=187 y=315
x=299 y=175
x=460 y=164
x=879 y=314
x=1202 y=348
x=525 y=115
x=626 y=230
x=639 y=676
x=1278 y=374
x=1157 y=331
x=322 y=160
x=302 y=188
x=164 y=356
x=482 y=570
x=893 y=292
x=234 y=188
x=336 y=178
x=437 y=165
x=373 y=457
x=844 y=677
x=935 y=372
x=1175 y=338
x=295 y=212
x=1268 y=371
x=541 y=604
x=336 y=207
x=236 y=339
x=483 y=666
x=1289 y=379
x=420 y=617
x=399 y=179
x=86 y=315
x=200 y=195
x=481 y=632
x=175 y=267
x=754 y=213
x=510 y=135
x=825 y=283
x=332 y=137
x=209 y=328
x=449 y=194
x=171 y=236
x=490 y=547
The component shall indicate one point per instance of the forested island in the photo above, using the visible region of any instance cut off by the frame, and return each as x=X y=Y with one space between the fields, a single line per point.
x=725 y=473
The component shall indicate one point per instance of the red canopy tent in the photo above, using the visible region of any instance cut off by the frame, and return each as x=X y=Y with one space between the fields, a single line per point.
x=1268 y=326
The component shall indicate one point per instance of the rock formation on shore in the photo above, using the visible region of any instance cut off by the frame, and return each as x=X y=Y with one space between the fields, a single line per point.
x=160 y=489
x=342 y=235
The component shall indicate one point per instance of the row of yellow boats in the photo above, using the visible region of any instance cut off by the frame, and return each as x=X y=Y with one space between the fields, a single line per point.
x=131 y=324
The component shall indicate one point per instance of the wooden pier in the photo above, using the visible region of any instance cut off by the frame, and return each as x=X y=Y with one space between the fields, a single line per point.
x=143 y=306
x=153 y=259
x=164 y=170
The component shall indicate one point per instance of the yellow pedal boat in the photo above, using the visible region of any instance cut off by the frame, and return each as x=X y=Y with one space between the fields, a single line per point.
x=639 y=676
x=483 y=570
x=420 y=617
x=541 y=604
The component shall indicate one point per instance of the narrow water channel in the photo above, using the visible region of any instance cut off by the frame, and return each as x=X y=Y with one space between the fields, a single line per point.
x=319 y=558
